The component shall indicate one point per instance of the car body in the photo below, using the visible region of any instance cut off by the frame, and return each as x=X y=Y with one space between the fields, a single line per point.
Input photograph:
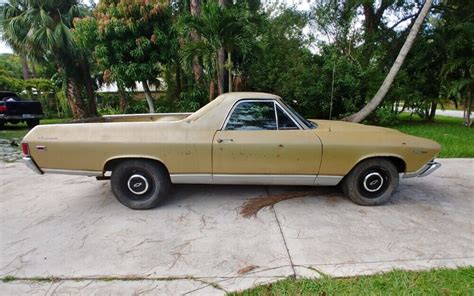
x=14 y=109
x=231 y=140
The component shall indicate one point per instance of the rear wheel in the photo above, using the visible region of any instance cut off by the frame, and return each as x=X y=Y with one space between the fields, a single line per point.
x=140 y=184
x=31 y=123
x=372 y=182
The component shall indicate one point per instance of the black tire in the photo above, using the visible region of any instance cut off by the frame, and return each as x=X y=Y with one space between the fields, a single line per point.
x=31 y=123
x=140 y=184
x=2 y=124
x=371 y=182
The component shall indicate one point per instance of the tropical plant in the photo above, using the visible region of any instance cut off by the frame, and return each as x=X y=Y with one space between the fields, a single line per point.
x=16 y=7
x=218 y=27
x=458 y=70
x=43 y=30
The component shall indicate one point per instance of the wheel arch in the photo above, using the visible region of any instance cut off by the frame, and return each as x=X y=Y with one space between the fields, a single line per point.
x=111 y=163
x=397 y=160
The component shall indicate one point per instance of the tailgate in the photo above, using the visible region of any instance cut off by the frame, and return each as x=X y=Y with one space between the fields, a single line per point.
x=20 y=108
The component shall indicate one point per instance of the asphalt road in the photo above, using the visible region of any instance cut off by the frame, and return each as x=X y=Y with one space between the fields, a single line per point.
x=72 y=228
x=452 y=113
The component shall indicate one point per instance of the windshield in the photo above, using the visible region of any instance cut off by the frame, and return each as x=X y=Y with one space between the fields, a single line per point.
x=306 y=122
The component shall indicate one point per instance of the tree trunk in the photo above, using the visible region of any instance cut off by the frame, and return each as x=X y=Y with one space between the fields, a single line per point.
x=33 y=69
x=468 y=109
x=122 y=98
x=90 y=93
x=179 y=80
x=431 y=115
x=229 y=61
x=148 y=96
x=195 y=8
x=73 y=95
x=221 y=62
x=377 y=99
x=221 y=71
x=24 y=67
x=212 y=90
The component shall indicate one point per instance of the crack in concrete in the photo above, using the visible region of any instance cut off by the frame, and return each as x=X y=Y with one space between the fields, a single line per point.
x=53 y=279
x=282 y=235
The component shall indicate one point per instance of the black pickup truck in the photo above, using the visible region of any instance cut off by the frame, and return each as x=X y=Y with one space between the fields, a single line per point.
x=14 y=109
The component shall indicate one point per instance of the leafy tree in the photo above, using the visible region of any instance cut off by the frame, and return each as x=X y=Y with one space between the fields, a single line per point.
x=11 y=65
x=16 y=7
x=382 y=91
x=134 y=42
x=49 y=25
x=219 y=28
x=458 y=69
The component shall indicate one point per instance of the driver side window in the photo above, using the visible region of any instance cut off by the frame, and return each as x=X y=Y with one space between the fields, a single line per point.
x=252 y=116
x=260 y=115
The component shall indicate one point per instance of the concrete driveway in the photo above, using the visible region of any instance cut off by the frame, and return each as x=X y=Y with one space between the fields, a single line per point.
x=72 y=230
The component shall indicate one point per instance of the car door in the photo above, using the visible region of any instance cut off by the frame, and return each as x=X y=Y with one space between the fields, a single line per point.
x=261 y=142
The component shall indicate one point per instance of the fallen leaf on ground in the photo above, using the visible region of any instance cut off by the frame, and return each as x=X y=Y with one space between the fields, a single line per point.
x=252 y=206
x=247 y=269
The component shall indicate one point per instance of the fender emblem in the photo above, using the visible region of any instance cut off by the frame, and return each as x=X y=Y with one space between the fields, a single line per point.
x=417 y=151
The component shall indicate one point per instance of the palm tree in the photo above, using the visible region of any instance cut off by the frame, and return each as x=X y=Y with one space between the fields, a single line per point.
x=48 y=37
x=387 y=83
x=195 y=9
x=218 y=27
x=17 y=7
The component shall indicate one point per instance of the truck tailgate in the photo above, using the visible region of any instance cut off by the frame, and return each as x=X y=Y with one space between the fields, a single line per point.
x=24 y=107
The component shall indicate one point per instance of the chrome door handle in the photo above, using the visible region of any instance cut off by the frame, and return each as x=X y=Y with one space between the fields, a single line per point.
x=224 y=140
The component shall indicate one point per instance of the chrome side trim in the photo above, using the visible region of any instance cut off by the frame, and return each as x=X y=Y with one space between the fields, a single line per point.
x=30 y=163
x=253 y=179
x=73 y=172
x=250 y=179
x=323 y=180
x=146 y=114
x=426 y=170
x=191 y=178
x=263 y=179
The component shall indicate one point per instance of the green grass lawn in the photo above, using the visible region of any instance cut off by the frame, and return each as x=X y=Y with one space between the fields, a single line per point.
x=433 y=282
x=18 y=131
x=455 y=139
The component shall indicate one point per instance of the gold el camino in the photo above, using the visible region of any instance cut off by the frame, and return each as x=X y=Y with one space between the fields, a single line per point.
x=239 y=138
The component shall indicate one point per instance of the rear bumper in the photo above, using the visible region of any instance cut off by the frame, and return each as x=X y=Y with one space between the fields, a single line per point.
x=30 y=163
x=425 y=170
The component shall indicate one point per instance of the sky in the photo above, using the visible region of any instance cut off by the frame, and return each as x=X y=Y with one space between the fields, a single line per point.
x=300 y=4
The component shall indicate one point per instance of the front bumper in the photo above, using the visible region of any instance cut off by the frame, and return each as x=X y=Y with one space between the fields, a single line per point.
x=425 y=170
x=30 y=163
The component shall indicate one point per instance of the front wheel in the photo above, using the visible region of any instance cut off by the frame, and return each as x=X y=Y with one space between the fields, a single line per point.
x=140 y=184
x=372 y=182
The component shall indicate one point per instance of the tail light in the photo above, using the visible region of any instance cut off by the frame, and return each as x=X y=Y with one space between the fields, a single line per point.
x=25 y=149
x=3 y=108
